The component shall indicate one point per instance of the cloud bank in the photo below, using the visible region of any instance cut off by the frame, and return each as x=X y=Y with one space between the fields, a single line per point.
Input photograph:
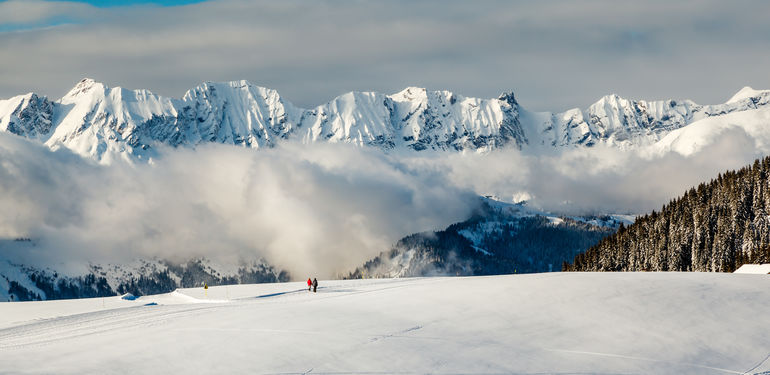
x=318 y=209
x=555 y=55
x=597 y=180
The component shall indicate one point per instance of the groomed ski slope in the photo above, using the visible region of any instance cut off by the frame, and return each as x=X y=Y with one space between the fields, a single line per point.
x=564 y=323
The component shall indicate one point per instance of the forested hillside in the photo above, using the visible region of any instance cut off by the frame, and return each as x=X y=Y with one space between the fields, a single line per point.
x=715 y=227
x=498 y=239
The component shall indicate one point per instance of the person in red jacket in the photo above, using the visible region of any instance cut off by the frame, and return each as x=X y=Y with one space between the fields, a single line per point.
x=309 y=284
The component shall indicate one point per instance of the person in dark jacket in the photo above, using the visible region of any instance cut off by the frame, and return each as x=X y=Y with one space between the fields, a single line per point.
x=309 y=284
x=315 y=284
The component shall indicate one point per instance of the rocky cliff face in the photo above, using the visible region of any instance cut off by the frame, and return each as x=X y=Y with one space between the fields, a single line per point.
x=26 y=115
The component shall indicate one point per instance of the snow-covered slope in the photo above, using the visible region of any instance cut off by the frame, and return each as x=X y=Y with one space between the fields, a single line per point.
x=626 y=123
x=752 y=125
x=555 y=323
x=105 y=123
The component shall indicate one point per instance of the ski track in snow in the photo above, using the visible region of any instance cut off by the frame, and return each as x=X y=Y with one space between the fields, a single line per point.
x=644 y=359
x=446 y=336
x=63 y=328
x=80 y=325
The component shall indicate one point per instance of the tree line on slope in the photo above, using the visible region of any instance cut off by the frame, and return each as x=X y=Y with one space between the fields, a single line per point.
x=716 y=227
x=505 y=243
x=192 y=273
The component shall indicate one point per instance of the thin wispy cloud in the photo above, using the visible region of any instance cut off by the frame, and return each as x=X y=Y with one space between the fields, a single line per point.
x=554 y=55
x=125 y=3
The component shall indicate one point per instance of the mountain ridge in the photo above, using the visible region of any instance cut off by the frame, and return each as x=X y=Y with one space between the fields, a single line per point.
x=105 y=124
x=499 y=238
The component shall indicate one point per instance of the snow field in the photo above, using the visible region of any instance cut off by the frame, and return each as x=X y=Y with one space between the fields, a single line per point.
x=677 y=323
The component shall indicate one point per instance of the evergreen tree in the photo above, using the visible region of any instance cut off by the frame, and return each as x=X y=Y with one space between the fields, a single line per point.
x=715 y=227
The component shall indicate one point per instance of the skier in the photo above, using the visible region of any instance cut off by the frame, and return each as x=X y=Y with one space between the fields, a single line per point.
x=315 y=284
x=309 y=284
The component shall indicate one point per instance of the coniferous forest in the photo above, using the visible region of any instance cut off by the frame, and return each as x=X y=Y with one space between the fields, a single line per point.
x=492 y=242
x=715 y=227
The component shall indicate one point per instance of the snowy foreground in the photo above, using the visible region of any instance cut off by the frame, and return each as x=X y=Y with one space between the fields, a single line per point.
x=673 y=323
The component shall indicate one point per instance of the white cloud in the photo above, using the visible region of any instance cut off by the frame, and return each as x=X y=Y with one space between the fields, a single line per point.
x=312 y=210
x=37 y=12
x=600 y=179
x=553 y=54
x=318 y=209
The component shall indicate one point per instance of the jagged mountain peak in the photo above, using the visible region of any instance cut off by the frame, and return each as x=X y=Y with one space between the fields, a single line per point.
x=508 y=97
x=18 y=102
x=613 y=99
x=746 y=92
x=423 y=95
x=26 y=97
x=240 y=90
x=95 y=120
x=236 y=84
x=84 y=86
x=27 y=115
x=412 y=93
x=88 y=92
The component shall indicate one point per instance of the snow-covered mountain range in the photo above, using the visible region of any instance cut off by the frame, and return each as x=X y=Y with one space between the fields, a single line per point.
x=22 y=282
x=105 y=123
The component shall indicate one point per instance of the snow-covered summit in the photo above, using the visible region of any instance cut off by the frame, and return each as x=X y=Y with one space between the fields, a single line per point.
x=626 y=123
x=104 y=123
x=236 y=112
x=85 y=86
x=747 y=93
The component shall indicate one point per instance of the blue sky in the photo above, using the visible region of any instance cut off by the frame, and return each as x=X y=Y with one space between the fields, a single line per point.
x=554 y=55
x=53 y=19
